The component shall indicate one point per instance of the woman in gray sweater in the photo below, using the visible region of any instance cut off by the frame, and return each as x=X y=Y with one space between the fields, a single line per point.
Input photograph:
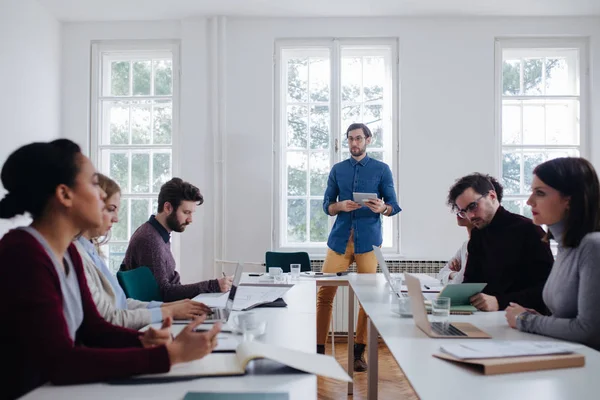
x=566 y=197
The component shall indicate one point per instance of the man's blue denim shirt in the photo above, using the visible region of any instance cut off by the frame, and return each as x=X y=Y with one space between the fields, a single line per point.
x=365 y=176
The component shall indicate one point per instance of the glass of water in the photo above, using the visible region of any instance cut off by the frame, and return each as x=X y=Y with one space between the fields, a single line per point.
x=440 y=310
x=250 y=325
x=295 y=271
x=396 y=284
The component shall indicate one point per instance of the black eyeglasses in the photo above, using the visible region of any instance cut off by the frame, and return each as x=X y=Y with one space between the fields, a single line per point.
x=471 y=207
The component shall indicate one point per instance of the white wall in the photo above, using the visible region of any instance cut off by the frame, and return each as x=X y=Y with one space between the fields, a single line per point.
x=447 y=116
x=446 y=130
x=30 y=71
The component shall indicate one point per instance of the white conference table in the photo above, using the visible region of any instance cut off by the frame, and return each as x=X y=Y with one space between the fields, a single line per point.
x=285 y=327
x=311 y=307
x=432 y=378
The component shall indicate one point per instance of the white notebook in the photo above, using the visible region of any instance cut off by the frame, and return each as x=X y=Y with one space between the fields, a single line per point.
x=507 y=348
x=226 y=364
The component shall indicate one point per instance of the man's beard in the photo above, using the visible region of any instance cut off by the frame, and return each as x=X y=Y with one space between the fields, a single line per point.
x=361 y=151
x=174 y=224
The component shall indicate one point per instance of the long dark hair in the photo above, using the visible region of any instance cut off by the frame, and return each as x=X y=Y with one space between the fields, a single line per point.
x=576 y=178
x=32 y=173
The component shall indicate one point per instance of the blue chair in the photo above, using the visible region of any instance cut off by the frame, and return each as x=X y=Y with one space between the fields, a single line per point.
x=283 y=260
x=139 y=284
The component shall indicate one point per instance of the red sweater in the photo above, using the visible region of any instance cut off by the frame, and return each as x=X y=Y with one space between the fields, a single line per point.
x=37 y=345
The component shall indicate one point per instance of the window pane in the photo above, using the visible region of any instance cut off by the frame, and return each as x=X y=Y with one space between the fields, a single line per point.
x=297 y=85
x=119 y=230
x=297 y=126
x=142 y=73
x=140 y=173
x=557 y=77
x=118 y=123
x=511 y=122
x=533 y=123
x=119 y=78
x=530 y=161
x=511 y=173
x=319 y=172
x=161 y=170
x=318 y=222
x=163 y=77
x=377 y=131
x=351 y=78
x=139 y=212
x=163 y=122
x=562 y=122
x=296 y=221
x=319 y=79
x=514 y=206
x=319 y=127
x=532 y=76
x=377 y=155
x=373 y=78
x=116 y=254
x=154 y=207
x=119 y=169
x=511 y=77
x=140 y=124
x=297 y=173
x=350 y=115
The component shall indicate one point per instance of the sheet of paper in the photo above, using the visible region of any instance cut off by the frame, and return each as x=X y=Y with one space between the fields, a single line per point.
x=318 y=364
x=248 y=296
x=213 y=299
x=507 y=348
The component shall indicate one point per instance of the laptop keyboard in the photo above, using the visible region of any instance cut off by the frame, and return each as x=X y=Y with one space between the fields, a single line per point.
x=446 y=329
x=217 y=313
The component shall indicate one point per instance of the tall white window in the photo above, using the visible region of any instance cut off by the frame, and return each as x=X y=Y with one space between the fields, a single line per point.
x=133 y=129
x=541 y=96
x=321 y=88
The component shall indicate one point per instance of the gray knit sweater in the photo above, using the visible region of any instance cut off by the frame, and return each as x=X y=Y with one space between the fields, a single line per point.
x=148 y=248
x=572 y=293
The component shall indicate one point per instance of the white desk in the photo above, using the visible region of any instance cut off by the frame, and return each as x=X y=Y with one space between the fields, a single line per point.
x=285 y=327
x=309 y=306
x=432 y=378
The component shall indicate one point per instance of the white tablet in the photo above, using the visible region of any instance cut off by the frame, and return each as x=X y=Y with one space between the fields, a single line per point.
x=360 y=198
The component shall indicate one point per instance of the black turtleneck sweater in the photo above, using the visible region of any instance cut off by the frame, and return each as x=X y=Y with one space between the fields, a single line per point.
x=510 y=256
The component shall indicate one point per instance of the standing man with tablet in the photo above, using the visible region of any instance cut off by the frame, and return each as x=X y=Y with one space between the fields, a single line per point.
x=357 y=226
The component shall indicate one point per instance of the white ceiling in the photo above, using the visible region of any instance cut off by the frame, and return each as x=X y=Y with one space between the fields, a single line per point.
x=128 y=10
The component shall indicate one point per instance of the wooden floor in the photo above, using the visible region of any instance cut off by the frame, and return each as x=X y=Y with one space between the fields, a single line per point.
x=392 y=382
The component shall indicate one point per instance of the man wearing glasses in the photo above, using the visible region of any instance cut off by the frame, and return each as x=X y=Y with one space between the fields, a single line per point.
x=357 y=227
x=506 y=250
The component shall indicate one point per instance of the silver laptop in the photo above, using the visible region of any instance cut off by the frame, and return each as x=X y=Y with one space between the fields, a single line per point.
x=222 y=314
x=455 y=330
x=385 y=269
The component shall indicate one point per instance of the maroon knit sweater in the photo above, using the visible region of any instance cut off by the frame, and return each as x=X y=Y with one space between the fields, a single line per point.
x=148 y=248
x=37 y=345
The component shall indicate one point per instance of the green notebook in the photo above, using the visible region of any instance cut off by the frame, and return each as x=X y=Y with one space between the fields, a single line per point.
x=460 y=293
x=235 y=396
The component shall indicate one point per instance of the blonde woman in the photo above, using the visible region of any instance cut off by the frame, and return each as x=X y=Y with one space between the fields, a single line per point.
x=108 y=295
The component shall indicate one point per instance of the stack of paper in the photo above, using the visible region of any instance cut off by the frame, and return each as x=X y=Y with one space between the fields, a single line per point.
x=497 y=349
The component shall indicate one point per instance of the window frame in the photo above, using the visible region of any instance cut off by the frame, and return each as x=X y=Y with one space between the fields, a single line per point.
x=335 y=47
x=135 y=49
x=529 y=46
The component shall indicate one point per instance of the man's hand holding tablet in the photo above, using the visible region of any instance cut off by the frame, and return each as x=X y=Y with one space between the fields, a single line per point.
x=361 y=198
